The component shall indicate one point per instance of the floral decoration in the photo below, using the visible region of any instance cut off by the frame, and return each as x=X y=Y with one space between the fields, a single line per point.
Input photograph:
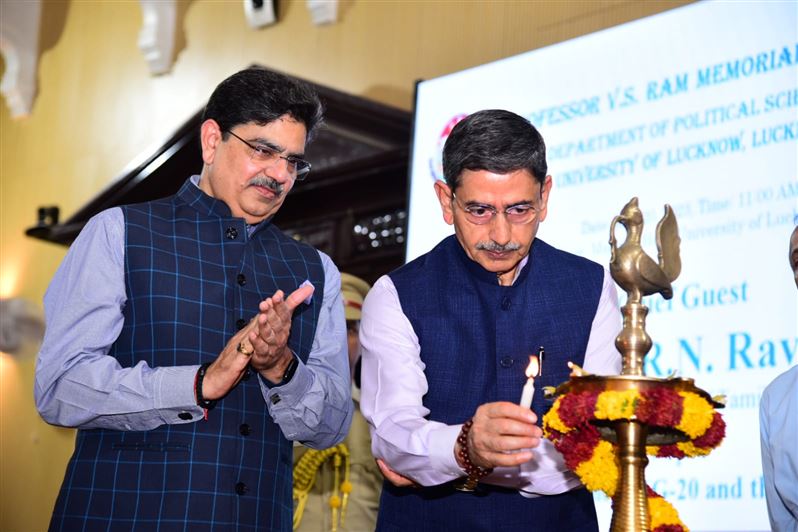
x=569 y=425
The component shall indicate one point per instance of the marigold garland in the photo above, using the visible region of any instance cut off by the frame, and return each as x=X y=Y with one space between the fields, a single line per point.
x=696 y=415
x=617 y=405
x=600 y=472
x=568 y=425
x=663 y=514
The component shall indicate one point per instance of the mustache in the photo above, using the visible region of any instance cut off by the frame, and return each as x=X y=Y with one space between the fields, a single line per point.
x=267 y=182
x=496 y=247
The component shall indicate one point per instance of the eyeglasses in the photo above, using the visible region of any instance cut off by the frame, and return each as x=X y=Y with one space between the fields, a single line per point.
x=265 y=154
x=481 y=214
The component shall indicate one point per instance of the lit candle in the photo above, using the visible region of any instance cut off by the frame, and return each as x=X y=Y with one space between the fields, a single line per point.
x=529 y=388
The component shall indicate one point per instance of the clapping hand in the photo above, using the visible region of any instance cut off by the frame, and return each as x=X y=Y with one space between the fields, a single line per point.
x=269 y=339
x=262 y=343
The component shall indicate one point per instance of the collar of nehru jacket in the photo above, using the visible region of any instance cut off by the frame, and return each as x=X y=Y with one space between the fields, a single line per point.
x=483 y=275
x=193 y=195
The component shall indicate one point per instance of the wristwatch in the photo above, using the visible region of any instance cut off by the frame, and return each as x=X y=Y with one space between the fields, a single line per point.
x=290 y=370
x=207 y=404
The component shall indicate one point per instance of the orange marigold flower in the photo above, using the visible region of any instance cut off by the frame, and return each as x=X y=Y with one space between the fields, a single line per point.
x=697 y=415
x=601 y=471
x=714 y=434
x=670 y=451
x=578 y=446
x=552 y=419
x=617 y=404
x=662 y=513
x=689 y=449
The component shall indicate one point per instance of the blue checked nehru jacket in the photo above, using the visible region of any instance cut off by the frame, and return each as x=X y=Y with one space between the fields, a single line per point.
x=475 y=338
x=193 y=278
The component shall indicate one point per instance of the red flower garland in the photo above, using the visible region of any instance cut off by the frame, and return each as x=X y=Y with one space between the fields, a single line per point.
x=661 y=407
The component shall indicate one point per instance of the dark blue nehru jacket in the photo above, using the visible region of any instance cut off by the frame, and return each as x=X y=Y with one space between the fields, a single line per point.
x=476 y=337
x=194 y=277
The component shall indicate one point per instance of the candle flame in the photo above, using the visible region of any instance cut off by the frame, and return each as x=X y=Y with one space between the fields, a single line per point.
x=533 y=369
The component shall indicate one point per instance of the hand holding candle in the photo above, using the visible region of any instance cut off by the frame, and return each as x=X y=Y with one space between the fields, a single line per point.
x=532 y=370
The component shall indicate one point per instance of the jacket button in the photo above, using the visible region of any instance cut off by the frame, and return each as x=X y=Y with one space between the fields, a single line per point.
x=240 y=324
x=231 y=233
x=241 y=488
x=247 y=374
x=506 y=303
x=506 y=362
x=241 y=279
x=244 y=429
x=185 y=416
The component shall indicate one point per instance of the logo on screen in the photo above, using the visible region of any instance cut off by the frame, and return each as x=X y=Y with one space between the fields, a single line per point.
x=436 y=161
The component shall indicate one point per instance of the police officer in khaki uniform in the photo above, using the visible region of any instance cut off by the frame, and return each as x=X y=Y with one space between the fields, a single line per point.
x=338 y=489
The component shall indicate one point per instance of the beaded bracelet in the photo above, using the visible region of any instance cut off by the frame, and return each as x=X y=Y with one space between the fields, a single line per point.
x=474 y=473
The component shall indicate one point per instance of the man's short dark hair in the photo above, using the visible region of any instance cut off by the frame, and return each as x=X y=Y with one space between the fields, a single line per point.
x=262 y=96
x=494 y=140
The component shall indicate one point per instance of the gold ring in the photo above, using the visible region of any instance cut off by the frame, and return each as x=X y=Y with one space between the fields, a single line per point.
x=243 y=351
